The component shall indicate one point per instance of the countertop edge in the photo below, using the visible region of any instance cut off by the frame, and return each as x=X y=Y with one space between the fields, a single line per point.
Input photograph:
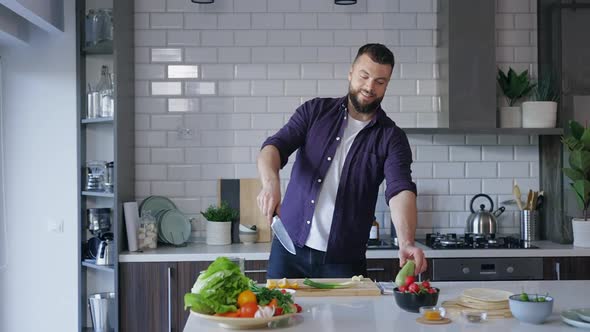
x=261 y=251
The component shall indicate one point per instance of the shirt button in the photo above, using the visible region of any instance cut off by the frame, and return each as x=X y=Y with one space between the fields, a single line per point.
x=308 y=222
x=329 y=158
x=312 y=201
x=344 y=118
x=337 y=138
x=320 y=180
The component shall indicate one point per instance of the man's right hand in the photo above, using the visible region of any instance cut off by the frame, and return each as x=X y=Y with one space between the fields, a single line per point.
x=269 y=199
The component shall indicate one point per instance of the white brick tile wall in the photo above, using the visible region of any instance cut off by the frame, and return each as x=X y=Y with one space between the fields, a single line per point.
x=250 y=64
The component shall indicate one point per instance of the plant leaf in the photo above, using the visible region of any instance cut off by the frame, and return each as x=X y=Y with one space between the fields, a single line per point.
x=576 y=128
x=580 y=160
x=585 y=139
x=582 y=189
x=573 y=174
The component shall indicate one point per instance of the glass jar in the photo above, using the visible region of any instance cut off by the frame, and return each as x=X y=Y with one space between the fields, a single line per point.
x=105 y=93
x=147 y=233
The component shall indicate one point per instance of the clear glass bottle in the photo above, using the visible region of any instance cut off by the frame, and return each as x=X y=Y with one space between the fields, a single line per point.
x=105 y=91
x=90 y=25
x=147 y=233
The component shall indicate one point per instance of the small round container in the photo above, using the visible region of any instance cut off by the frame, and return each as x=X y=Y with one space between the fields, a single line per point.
x=531 y=311
x=433 y=313
x=474 y=316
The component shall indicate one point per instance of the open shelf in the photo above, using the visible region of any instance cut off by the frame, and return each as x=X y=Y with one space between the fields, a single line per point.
x=107 y=268
x=97 y=194
x=98 y=120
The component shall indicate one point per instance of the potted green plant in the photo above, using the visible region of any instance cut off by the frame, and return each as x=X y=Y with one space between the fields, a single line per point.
x=541 y=112
x=514 y=87
x=219 y=221
x=578 y=145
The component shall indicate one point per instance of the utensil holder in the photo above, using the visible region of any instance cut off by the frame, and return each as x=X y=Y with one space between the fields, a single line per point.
x=529 y=225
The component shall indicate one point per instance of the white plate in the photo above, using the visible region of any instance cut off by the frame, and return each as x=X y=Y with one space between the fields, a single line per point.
x=571 y=317
x=237 y=323
x=584 y=314
x=487 y=294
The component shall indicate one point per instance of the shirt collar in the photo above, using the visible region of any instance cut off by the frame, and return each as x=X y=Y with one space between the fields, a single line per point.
x=378 y=118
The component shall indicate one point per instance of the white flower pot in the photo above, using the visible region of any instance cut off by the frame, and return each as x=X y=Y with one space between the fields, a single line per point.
x=581 y=232
x=510 y=117
x=539 y=114
x=218 y=232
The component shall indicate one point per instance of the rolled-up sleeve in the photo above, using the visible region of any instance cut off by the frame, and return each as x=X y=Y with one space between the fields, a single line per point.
x=292 y=135
x=398 y=173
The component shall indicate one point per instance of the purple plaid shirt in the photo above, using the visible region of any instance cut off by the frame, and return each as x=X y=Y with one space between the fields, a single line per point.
x=380 y=151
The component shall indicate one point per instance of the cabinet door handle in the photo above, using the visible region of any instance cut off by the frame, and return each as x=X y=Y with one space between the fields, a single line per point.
x=372 y=269
x=558 y=270
x=169 y=299
x=255 y=271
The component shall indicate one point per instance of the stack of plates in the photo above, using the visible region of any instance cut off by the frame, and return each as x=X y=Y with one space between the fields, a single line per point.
x=173 y=226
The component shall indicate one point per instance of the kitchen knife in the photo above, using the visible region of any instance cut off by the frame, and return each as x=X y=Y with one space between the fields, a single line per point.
x=279 y=229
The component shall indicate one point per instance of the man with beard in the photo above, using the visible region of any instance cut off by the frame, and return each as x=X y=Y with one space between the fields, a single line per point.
x=346 y=147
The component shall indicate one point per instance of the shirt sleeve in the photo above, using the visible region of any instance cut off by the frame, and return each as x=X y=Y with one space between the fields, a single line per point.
x=292 y=135
x=398 y=174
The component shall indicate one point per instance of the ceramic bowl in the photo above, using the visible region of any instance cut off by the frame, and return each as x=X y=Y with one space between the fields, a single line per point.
x=412 y=302
x=529 y=311
x=248 y=237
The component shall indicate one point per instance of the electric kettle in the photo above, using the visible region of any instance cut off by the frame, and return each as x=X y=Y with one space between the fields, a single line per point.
x=483 y=221
x=106 y=251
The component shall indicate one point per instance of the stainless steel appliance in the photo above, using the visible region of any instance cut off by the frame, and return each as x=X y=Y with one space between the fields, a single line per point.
x=482 y=268
x=477 y=269
x=483 y=221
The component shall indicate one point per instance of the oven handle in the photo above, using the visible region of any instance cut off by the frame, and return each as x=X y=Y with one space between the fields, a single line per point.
x=558 y=270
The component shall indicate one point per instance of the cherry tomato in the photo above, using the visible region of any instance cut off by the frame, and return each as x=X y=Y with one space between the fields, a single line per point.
x=230 y=314
x=278 y=311
x=246 y=296
x=425 y=284
x=410 y=280
x=248 y=310
x=414 y=288
x=431 y=290
x=402 y=289
x=299 y=309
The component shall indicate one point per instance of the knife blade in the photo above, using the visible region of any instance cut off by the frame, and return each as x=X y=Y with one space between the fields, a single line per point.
x=279 y=229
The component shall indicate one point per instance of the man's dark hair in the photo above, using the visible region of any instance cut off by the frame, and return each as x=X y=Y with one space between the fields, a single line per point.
x=378 y=53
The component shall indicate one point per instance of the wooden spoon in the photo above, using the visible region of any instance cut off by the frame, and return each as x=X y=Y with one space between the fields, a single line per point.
x=517 y=195
x=529 y=200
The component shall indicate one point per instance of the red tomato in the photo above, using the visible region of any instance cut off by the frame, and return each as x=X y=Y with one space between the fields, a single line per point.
x=402 y=289
x=414 y=288
x=410 y=280
x=431 y=290
x=248 y=310
x=278 y=311
x=425 y=284
x=299 y=309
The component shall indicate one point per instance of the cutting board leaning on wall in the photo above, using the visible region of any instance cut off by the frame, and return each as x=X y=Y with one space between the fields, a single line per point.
x=241 y=194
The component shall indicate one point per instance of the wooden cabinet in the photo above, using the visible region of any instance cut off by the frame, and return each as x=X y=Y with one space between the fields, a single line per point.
x=566 y=268
x=148 y=297
x=256 y=270
x=188 y=272
x=382 y=269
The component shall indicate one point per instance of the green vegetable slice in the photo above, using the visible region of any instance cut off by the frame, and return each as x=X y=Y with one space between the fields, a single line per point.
x=327 y=285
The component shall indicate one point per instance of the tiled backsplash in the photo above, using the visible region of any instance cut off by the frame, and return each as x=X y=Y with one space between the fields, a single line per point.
x=213 y=81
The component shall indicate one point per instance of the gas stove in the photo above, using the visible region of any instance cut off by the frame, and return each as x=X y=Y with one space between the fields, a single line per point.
x=474 y=241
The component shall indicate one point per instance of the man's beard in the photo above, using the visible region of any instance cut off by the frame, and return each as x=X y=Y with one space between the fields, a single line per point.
x=362 y=108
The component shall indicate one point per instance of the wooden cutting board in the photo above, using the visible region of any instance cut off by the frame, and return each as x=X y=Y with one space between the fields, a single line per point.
x=241 y=194
x=366 y=287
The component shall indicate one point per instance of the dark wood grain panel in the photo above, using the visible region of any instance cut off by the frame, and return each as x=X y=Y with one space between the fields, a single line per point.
x=188 y=272
x=566 y=268
x=143 y=297
x=256 y=270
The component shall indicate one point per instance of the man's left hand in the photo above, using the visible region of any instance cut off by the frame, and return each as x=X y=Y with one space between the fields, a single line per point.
x=414 y=253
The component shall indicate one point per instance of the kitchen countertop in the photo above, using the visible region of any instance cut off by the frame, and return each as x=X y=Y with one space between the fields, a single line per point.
x=381 y=314
x=260 y=251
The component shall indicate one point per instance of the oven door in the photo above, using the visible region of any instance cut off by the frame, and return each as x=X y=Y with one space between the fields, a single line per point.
x=476 y=269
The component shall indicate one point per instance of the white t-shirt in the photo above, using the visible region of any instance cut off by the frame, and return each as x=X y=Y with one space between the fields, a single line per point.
x=324 y=211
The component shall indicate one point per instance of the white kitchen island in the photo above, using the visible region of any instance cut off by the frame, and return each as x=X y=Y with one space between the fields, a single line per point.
x=381 y=314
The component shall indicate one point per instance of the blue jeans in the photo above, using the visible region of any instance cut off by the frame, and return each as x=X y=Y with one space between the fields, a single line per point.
x=308 y=263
